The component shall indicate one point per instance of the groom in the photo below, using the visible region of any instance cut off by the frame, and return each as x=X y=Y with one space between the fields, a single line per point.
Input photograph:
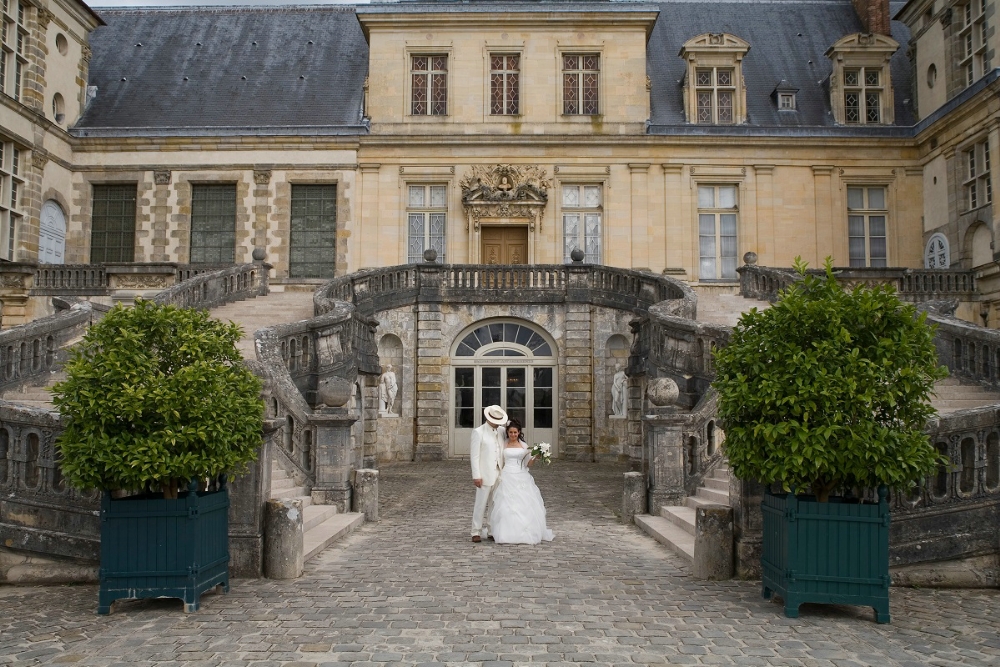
x=486 y=455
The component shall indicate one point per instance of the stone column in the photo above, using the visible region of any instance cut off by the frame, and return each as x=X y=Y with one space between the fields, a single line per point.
x=159 y=211
x=366 y=493
x=262 y=207
x=713 y=543
x=369 y=403
x=823 y=222
x=748 y=523
x=333 y=457
x=578 y=379
x=284 y=539
x=432 y=423
x=248 y=494
x=640 y=215
x=764 y=243
x=633 y=496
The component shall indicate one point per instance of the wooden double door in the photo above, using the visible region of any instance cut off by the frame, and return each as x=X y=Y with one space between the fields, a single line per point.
x=504 y=244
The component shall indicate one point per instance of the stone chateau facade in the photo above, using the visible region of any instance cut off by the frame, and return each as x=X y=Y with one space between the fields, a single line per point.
x=670 y=137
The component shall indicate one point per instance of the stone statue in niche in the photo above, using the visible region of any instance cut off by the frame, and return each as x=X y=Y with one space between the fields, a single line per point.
x=387 y=390
x=619 y=387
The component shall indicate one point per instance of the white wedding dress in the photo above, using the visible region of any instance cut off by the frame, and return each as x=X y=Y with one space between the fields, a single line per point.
x=518 y=513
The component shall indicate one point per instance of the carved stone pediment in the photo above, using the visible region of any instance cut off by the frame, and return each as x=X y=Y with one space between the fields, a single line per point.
x=505 y=191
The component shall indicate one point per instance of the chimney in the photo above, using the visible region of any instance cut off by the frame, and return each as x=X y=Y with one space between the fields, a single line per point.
x=874 y=15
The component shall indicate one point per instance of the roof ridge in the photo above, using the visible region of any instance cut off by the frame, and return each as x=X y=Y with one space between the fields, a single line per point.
x=229 y=9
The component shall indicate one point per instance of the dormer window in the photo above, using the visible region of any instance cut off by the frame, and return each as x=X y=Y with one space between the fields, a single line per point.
x=784 y=96
x=714 y=90
x=860 y=86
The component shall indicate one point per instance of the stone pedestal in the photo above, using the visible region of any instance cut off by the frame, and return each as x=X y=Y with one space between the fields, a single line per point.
x=633 y=496
x=333 y=458
x=664 y=429
x=130 y=281
x=713 y=543
x=284 y=538
x=16 y=281
x=247 y=495
x=366 y=493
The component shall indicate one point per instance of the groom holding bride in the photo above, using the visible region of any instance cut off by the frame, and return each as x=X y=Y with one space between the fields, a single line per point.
x=500 y=460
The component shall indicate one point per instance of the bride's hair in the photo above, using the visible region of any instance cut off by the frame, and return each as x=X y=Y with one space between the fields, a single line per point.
x=516 y=424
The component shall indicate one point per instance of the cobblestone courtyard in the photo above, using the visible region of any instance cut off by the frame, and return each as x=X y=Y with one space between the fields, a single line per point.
x=413 y=589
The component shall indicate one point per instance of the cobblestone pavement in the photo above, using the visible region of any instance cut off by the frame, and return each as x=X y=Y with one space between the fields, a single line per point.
x=413 y=589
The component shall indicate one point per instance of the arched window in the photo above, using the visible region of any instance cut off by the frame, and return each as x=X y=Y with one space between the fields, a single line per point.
x=936 y=254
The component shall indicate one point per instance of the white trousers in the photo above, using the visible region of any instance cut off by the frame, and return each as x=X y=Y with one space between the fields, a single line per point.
x=483 y=495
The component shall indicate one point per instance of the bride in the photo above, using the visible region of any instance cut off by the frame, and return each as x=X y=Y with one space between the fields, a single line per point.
x=518 y=514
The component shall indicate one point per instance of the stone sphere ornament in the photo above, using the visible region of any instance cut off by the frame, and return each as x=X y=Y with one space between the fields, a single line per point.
x=334 y=392
x=258 y=254
x=430 y=255
x=577 y=255
x=662 y=392
x=750 y=258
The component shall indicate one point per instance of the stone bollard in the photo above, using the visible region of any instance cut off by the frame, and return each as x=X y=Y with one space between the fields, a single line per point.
x=284 y=538
x=366 y=493
x=633 y=496
x=713 y=543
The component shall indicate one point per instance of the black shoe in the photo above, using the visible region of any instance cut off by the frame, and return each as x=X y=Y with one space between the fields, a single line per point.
x=477 y=539
x=490 y=538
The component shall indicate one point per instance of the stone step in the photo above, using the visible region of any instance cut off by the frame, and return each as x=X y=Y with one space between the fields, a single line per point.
x=694 y=502
x=314 y=515
x=278 y=473
x=280 y=484
x=289 y=492
x=720 y=484
x=713 y=496
x=963 y=404
x=669 y=535
x=951 y=393
x=330 y=531
x=682 y=517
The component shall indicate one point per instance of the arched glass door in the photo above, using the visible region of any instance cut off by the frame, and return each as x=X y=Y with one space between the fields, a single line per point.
x=507 y=363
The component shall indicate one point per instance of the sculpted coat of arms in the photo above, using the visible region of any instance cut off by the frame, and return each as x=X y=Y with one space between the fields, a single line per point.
x=505 y=191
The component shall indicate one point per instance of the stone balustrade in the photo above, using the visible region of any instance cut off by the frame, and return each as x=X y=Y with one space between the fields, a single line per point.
x=970 y=352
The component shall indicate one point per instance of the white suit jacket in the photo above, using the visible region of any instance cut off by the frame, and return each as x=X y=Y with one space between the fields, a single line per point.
x=485 y=453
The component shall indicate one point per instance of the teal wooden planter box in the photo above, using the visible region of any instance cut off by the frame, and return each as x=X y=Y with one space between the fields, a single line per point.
x=835 y=552
x=152 y=547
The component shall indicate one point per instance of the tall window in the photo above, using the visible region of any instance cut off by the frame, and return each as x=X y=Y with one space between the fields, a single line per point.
x=213 y=224
x=505 y=84
x=715 y=89
x=11 y=195
x=313 y=245
x=717 y=211
x=12 y=48
x=429 y=81
x=581 y=75
x=581 y=214
x=427 y=209
x=863 y=95
x=978 y=188
x=112 y=228
x=972 y=40
x=867 y=212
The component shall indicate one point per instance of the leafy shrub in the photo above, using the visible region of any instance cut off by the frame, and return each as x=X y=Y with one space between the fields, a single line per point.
x=829 y=389
x=156 y=396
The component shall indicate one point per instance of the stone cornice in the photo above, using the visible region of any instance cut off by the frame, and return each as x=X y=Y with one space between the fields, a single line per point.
x=612 y=17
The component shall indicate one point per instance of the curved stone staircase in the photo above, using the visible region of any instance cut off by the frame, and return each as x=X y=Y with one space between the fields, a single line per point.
x=323 y=525
x=675 y=526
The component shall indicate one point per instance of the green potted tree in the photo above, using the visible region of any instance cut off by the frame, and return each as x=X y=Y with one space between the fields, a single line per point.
x=826 y=395
x=158 y=407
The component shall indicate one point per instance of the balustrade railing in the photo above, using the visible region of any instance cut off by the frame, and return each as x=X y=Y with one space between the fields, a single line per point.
x=913 y=285
x=970 y=352
x=89 y=279
x=210 y=290
x=36 y=349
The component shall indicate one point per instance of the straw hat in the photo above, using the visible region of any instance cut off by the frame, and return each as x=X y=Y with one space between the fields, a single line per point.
x=495 y=415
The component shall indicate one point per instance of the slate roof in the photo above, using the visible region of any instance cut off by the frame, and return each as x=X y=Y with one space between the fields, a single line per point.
x=225 y=70
x=788 y=40
x=301 y=70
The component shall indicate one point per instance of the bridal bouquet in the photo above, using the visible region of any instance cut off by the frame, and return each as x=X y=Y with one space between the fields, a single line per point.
x=542 y=451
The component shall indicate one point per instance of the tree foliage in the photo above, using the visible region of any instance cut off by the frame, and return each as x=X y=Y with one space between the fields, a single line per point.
x=156 y=396
x=829 y=389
